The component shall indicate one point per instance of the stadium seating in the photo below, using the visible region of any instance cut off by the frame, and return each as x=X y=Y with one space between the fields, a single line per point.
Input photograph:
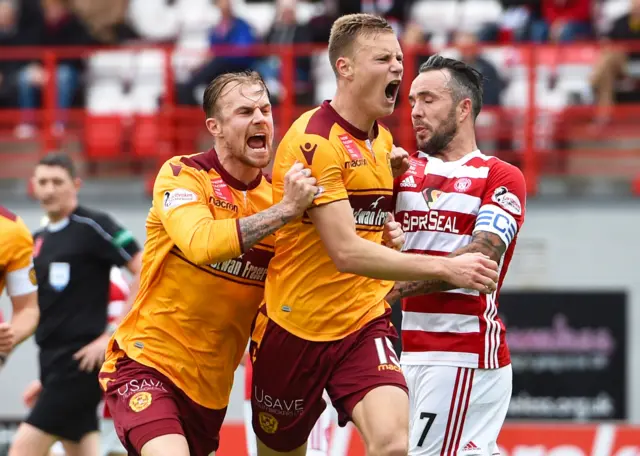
x=131 y=84
x=189 y=21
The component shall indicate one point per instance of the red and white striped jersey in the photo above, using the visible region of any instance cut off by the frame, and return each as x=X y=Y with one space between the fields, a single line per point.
x=118 y=295
x=440 y=205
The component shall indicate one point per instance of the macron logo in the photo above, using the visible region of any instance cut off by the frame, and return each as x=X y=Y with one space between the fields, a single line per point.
x=409 y=182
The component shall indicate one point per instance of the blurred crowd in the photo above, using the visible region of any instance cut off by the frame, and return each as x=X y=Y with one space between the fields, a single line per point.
x=63 y=23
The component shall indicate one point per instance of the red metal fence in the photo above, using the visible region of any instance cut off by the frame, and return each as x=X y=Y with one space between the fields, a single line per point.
x=540 y=137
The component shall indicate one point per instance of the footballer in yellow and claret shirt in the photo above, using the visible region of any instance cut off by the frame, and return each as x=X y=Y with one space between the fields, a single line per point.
x=181 y=323
x=305 y=293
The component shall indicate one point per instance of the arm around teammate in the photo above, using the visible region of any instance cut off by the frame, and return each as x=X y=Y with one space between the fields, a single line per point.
x=182 y=202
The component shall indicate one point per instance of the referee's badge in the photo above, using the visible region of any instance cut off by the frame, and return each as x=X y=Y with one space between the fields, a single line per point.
x=59 y=275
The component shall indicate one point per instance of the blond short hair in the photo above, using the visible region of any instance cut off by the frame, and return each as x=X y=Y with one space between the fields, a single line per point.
x=346 y=29
x=215 y=88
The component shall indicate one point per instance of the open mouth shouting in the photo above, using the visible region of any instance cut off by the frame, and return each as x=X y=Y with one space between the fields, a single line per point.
x=258 y=142
x=391 y=91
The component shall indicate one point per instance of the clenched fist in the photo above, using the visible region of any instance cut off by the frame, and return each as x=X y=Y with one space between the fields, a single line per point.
x=7 y=338
x=399 y=161
x=392 y=234
x=299 y=189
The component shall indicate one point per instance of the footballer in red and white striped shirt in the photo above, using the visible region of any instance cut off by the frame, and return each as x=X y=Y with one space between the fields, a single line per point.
x=455 y=200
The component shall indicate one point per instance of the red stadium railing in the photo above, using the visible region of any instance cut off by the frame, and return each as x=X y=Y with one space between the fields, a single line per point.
x=531 y=132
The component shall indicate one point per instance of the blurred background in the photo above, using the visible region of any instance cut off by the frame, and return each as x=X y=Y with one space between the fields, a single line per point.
x=117 y=84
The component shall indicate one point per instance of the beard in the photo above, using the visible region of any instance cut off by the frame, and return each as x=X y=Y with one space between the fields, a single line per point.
x=441 y=138
x=241 y=153
x=256 y=162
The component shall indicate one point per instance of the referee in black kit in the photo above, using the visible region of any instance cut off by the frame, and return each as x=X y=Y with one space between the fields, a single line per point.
x=73 y=256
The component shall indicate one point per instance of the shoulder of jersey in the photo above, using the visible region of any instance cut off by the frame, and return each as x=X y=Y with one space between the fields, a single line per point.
x=6 y=214
x=309 y=131
x=93 y=214
x=176 y=164
x=497 y=164
x=12 y=224
x=313 y=125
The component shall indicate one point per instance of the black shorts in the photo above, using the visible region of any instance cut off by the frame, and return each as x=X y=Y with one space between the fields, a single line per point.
x=68 y=404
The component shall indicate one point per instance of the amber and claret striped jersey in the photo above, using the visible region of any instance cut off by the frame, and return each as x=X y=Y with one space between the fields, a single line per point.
x=16 y=256
x=305 y=293
x=199 y=292
x=440 y=205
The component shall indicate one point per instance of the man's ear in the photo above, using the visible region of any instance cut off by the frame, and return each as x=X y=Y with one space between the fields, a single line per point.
x=213 y=126
x=344 y=67
x=465 y=109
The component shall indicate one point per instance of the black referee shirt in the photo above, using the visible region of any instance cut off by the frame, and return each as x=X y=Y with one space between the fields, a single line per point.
x=73 y=260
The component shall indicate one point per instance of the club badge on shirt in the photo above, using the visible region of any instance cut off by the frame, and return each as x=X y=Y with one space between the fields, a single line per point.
x=507 y=200
x=59 y=275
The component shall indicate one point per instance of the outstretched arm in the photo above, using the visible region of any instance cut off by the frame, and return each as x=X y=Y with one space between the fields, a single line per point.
x=353 y=254
x=488 y=244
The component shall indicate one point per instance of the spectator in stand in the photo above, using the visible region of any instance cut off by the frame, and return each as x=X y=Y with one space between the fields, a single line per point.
x=18 y=27
x=105 y=19
x=8 y=33
x=285 y=30
x=414 y=36
x=466 y=43
x=320 y=26
x=230 y=31
x=563 y=21
x=55 y=25
x=613 y=62
x=515 y=22
x=396 y=12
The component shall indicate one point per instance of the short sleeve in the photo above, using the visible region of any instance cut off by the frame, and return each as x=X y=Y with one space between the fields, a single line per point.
x=325 y=162
x=21 y=277
x=22 y=251
x=116 y=244
x=503 y=205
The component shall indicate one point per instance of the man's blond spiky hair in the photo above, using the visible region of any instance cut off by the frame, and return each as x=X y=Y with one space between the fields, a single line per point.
x=346 y=29
x=214 y=90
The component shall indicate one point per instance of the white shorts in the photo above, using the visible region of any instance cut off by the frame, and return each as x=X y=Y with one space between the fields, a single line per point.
x=456 y=411
x=317 y=444
x=109 y=441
